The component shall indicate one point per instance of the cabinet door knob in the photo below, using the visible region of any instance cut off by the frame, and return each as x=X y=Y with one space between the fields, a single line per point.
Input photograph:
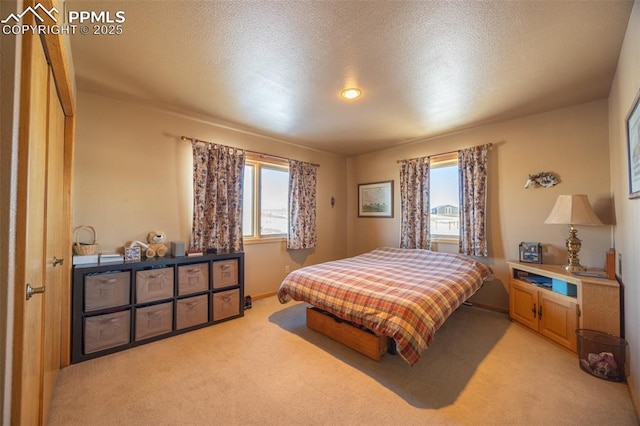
x=534 y=310
x=57 y=261
x=540 y=312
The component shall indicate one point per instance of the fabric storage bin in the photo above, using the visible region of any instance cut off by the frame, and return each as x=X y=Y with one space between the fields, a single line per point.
x=225 y=273
x=602 y=355
x=154 y=284
x=154 y=320
x=193 y=278
x=106 y=290
x=226 y=304
x=192 y=311
x=106 y=331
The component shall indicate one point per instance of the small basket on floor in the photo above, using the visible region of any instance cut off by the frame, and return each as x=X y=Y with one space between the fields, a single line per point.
x=602 y=355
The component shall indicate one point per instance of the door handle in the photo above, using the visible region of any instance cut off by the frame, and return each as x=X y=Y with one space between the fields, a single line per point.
x=57 y=261
x=33 y=290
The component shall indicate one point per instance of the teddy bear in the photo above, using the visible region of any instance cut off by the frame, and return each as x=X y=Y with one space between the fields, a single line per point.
x=156 y=245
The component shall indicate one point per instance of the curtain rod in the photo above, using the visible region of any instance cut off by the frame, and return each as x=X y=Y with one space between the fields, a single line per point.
x=260 y=154
x=488 y=145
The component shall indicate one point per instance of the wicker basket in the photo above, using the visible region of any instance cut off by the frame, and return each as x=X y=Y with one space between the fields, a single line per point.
x=83 y=249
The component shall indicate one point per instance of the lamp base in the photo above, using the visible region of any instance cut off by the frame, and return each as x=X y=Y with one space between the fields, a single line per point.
x=573 y=247
x=571 y=268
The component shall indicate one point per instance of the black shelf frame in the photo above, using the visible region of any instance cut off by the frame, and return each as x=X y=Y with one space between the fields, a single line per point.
x=78 y=314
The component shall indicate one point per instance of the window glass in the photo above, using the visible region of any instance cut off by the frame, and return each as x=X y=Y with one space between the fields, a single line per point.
x=265 y=200
x=444 y=202
x=274 y=195
x=247 y=200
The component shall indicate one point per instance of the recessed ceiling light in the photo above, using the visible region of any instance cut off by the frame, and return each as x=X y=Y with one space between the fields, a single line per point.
x=351 y=93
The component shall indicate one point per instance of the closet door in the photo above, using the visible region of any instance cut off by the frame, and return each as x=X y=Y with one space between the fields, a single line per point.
x=55 y=252
x=41 y=287
x=30 y=236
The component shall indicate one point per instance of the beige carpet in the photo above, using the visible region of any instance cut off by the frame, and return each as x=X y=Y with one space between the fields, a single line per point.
x=269 y=369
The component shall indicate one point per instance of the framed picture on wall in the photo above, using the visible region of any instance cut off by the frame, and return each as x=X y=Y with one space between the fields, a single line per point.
x=375 y=199
x=633 y=147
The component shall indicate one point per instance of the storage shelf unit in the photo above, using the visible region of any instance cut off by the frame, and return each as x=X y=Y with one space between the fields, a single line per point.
x=121 y=305
x=593 y=303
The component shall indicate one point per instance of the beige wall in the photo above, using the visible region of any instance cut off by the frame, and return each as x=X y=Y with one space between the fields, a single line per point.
x=625 y=87
x=571 y=142
x=133 y=175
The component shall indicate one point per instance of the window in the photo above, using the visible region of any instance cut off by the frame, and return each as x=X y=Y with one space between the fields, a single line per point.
x=443 y=201
x=265 y=210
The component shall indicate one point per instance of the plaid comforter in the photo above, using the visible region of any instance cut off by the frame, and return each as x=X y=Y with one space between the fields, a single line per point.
x=404 y=294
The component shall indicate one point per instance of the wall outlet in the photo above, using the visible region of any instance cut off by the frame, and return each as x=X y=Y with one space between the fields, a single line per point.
x=287 y=269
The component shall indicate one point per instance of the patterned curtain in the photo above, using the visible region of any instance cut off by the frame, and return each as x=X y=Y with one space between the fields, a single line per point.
x=414 y=193
x=218 y=173
x=302 y=205
x=472 y=164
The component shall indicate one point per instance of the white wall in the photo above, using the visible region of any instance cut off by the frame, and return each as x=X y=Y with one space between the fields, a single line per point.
x=624 y=89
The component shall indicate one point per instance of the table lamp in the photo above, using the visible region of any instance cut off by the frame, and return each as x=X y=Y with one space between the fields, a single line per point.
x=573 y=210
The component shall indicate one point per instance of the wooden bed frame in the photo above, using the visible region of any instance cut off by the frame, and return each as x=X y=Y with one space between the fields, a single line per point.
x=353 y=336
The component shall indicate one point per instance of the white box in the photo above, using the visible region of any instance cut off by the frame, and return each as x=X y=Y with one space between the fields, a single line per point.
x=85 y=259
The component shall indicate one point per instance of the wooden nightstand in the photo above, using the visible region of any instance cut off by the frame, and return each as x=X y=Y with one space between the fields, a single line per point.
x=595 y=305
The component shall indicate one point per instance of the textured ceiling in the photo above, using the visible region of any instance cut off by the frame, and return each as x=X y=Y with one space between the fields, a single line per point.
x=425 y=68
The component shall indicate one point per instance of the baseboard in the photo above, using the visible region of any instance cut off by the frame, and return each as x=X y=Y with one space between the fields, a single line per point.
x=264 y=295
x=634 y=396
x=490 y=308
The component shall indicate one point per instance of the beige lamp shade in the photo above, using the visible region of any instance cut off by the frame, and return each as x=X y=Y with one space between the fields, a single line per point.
x=572 y=210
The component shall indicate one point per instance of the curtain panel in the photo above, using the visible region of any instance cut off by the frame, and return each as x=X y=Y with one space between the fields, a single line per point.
x=218 y=173
x=472 y=169
x=302 y=205
x=414 y=200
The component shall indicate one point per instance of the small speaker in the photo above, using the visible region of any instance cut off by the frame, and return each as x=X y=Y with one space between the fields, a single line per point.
x=177 y=248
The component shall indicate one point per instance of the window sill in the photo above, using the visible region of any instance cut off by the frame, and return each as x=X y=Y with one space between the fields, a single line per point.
x=445 y=240
x=270 y=240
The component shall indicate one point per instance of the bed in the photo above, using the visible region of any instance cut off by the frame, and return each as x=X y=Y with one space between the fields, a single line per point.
x=404 y=294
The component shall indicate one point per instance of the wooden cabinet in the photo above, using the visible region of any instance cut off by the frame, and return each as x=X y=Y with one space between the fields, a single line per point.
x=550 y=314
x=122 y=305
x=594 y=305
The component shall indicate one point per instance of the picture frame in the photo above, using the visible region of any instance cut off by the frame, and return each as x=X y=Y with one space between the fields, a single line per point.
x=632 y=123
x=132 y=254
x=375 y=199
x=530 y=252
